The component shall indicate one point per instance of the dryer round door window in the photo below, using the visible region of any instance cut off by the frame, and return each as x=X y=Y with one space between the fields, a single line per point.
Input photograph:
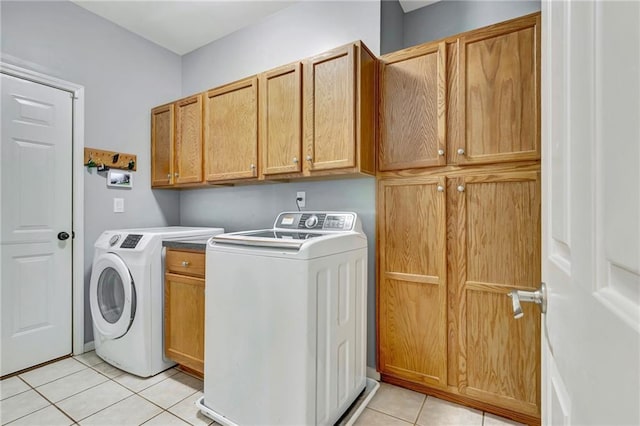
x=112 y=296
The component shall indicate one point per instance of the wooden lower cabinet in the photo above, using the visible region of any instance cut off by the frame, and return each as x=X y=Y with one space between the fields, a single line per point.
x=430 y=289
x=184 y=308
x=412 y=293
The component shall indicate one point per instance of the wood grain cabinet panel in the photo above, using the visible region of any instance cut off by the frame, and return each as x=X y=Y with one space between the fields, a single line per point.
x=176 y=143
x=499 y=93
x=339 y=111
x=162 y=132
x=188 y=140
x=184 y=312
x=412 y=294
x=478 y=93
x=498 y=247
x=412 y=124
x=231 y=131
x=281 y=120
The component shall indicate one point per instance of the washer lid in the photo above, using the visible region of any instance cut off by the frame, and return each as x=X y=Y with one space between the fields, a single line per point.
x=112 y=296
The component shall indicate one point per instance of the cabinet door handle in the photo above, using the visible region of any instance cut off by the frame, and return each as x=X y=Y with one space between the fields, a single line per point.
x=176 y=174
x=440 y=188
x=168 y=175
x=253 y=166
x=460 y=188
x=309 y=158
x=185 y=263
x=441 y=152
x=295 y=160
x=460 y=151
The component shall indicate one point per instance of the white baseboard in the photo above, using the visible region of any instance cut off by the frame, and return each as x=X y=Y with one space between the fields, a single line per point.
x=373 y=374
x=89 y=346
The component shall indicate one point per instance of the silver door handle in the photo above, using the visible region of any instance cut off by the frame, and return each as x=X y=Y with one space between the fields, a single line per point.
x=538 y=297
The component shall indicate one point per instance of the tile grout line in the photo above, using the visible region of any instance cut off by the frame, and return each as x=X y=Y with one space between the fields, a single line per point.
x=424 y=401
x=142 y=396
x=54 y=404
x=119 y=384
x=390 y=415
x=43 y=397
x=58 y=378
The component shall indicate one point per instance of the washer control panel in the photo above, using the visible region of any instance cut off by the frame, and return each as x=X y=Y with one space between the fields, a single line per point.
x=318 y=221
x=131 y=241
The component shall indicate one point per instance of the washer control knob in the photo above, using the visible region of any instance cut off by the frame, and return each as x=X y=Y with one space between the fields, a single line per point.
x=311 y=222
x=113 y=240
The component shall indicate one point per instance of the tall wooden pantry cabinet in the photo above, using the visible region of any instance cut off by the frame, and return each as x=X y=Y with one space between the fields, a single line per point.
x=459 y=218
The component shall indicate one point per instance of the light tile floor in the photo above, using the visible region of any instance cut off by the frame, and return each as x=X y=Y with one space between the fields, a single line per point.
x=84 y=390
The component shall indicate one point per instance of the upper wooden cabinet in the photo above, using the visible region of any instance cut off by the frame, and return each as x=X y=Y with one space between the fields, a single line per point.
x=321 y=124
x=176 y=143
x=162 y=128
x=281 y=120
x=469 y=99
x=231 y=131
x=339 y=111
x=188 y=140
x=499 y=93
x=413 y=99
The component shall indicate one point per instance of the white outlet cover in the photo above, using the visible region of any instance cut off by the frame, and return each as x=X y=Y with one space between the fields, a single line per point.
x=303 y=195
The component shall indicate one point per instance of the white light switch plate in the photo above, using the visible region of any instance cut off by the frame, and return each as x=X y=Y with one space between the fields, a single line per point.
x=118 y=205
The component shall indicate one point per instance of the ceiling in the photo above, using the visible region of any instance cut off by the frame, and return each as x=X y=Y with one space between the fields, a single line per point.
x=411 y=5
x=185 y=25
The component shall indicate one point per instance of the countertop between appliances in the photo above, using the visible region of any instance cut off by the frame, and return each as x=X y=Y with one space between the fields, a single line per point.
x=195 y=244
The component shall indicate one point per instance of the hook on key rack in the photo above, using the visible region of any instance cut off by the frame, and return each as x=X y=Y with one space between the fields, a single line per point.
x=105 y=160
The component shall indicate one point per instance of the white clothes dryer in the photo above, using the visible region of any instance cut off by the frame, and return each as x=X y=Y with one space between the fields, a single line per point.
x=126 y=295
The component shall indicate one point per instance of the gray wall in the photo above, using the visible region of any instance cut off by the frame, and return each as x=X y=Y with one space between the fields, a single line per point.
x=449 y=17
x=299 y=31
x=391 y=26
x=124 y=76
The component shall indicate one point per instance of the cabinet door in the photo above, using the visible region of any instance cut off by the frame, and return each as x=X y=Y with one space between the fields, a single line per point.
x=281 y=120
x=412 y=294
x=497 y=248
x=184 y=320
x=188 y=142
x=499 y=93
x=329 y=110
x=162 y=145
x=231 y=131
x=413 y=91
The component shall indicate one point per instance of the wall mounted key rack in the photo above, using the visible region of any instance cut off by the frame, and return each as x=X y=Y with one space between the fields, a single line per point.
x=104 y=160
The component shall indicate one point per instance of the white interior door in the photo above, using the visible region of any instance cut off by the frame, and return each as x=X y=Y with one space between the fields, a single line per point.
x=36 y=154
x=591 y=212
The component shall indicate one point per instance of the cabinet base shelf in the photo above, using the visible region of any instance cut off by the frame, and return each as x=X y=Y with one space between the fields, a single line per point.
x=191 y=371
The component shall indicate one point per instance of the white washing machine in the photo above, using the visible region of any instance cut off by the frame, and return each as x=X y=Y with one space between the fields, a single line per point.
x=285 y=315
x=126 y=296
